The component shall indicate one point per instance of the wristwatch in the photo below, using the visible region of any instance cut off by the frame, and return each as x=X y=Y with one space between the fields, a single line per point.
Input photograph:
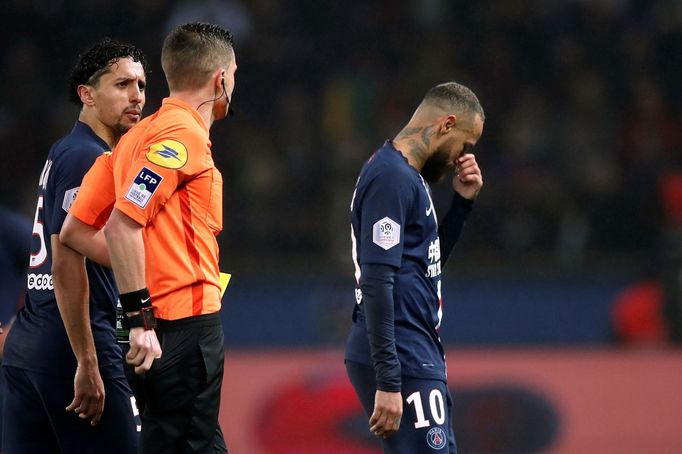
x=144 y=319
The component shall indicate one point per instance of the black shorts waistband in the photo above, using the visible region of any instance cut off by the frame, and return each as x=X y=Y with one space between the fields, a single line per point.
x=197 y=321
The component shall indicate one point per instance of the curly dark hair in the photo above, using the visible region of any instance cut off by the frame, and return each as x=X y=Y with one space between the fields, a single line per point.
x=97 y=60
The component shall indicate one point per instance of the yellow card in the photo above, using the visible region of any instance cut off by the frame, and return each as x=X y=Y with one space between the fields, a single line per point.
x=224 y=280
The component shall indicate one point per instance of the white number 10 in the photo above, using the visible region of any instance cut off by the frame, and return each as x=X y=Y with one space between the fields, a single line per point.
x=436 y=404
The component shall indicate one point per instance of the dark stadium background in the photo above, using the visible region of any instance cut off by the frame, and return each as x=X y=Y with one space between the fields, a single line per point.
x=562 y=299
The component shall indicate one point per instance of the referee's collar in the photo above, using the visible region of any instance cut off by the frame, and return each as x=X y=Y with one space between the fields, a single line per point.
x=171 y=103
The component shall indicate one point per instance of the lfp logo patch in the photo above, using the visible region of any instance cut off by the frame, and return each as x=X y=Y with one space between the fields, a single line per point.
x=168 y=153
x=145 y=184
x=436 y=438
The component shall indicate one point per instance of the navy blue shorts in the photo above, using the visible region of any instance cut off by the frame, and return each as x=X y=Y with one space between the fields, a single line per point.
x=426 y=425
x=35 y=419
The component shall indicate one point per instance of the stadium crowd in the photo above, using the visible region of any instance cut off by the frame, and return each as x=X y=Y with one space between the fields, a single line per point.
x=582 y=105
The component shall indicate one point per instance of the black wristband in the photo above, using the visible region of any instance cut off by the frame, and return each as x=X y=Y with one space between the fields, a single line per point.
x=145 y=319
x=135 y=301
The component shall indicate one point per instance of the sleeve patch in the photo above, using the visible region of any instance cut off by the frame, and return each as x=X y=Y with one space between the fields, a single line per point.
x=145 y=184
x=170 y=154
x=386 y=233
x=69 y=198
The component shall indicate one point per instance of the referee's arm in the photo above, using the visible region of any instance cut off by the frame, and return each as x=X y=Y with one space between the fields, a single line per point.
x=126 y=251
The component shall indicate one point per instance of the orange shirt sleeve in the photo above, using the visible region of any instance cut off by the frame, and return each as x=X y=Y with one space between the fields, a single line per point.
x=159 y=166
x=97 y=195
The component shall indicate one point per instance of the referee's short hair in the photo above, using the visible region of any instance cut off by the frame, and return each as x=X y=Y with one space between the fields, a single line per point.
x=192 y=52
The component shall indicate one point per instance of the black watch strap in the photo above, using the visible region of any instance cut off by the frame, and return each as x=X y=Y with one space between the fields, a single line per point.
x=145 y=319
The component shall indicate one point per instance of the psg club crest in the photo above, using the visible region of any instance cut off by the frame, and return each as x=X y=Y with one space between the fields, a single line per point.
x=436 y=438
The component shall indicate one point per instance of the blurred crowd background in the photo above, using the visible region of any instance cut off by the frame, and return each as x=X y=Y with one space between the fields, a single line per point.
x=575 y=240
x=580 y=152
x=582 y=102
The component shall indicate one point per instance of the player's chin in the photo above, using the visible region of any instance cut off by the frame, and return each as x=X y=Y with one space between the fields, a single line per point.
x=126 y=124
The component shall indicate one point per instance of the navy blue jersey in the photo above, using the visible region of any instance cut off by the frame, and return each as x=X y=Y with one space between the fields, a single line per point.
x=393 y=222
x=38 y=339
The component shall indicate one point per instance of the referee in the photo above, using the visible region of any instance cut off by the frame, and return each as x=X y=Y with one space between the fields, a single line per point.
x=161 y=238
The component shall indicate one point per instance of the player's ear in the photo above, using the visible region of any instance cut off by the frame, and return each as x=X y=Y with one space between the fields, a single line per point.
x=448 y=124
x=85 y=94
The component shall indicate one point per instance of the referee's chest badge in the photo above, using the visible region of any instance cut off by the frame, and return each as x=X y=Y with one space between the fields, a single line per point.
x=144 y=186
x=436 y=438
x=386 y=233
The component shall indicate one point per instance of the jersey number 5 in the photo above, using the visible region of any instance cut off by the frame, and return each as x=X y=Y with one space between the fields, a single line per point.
x=39 y=257
x=436 y=404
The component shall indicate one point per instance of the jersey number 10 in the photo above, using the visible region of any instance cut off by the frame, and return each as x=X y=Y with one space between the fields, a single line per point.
x=436 y=404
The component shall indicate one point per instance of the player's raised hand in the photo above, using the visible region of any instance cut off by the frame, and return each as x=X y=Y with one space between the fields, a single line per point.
x=88 y=393
x=468 y=179
x=144 y=349
x=388 y=409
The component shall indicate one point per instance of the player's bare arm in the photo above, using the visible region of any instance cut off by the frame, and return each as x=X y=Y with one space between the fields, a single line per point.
x=71 y=291
x=85 y=239
x=126 y=250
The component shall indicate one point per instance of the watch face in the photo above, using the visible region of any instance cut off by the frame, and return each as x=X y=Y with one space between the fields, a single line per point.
x=144 y=319
x=148 y=318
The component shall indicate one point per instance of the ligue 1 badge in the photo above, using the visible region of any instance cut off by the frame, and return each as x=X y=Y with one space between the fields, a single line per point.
x=436 y=438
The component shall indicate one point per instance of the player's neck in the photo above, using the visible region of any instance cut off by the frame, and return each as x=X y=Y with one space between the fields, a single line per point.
x=413 y=143
x=104 y=132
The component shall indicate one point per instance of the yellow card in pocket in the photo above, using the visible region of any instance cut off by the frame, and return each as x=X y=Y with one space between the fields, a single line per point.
x=224 y=280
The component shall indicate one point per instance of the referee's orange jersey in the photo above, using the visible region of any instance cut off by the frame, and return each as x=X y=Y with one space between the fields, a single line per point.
x=165 y=179
x=97 y=195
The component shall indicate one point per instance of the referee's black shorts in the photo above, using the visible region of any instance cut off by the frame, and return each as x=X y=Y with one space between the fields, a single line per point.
x=182 y=389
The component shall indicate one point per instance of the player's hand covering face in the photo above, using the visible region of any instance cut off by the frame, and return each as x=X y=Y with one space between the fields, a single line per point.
x=458 y=142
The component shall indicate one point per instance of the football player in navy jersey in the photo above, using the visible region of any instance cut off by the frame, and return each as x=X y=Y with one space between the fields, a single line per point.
x=65 y=389
x=394 y=357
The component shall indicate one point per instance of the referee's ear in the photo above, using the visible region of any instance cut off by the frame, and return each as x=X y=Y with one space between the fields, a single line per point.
x=85 y=95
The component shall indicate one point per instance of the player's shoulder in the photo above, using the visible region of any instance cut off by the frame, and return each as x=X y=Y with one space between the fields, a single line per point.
x=389 y=165
x=81 y=144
